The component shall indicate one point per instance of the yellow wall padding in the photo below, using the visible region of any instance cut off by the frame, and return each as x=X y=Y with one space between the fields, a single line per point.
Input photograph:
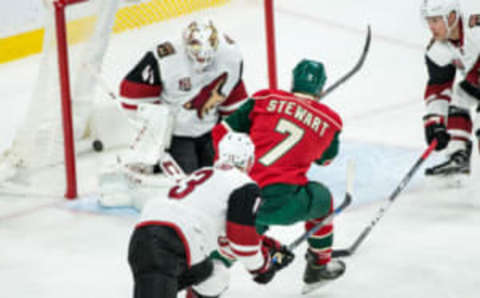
x=128 y=17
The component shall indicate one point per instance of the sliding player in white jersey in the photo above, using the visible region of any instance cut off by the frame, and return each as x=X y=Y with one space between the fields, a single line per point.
x=197 y=79
x=453 y=51
x=213 y=208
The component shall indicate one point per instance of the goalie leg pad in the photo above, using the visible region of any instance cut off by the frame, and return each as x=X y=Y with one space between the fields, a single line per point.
x=122 y=187
x=154 y=135
x=116 y=189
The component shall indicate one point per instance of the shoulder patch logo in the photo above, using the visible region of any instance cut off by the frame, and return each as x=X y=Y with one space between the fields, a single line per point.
x=474 y=20
x=185 y=84
x=165 y=49
x=148 y=75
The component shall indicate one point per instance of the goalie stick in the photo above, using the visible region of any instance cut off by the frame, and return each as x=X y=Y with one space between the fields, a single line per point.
x=355 y=69
x=351 y=250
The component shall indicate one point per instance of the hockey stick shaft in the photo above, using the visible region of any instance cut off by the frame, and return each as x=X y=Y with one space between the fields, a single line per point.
x=349 y=251
x=346 y=202
x=355 y=69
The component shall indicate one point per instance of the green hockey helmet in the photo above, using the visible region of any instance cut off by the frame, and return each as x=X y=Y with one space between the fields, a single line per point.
x=309 y=77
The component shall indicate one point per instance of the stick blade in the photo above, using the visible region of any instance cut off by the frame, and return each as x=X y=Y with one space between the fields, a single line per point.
x=355 y=68
x=351 y=171
x=339 y=253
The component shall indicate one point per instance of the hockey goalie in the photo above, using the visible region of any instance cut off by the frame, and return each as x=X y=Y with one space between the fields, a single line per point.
x=178 y=91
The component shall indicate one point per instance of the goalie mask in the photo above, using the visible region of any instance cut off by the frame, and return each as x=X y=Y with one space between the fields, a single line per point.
x=201 y=43
x=236 y=149
x=441 y=8
x=309 y=77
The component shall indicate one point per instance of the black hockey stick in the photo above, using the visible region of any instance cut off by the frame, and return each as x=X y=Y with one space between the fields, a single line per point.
x=354 y=69
x=350 y=250
x=339 y=209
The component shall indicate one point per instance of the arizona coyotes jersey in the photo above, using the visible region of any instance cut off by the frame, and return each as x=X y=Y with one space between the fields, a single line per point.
x=165 y=74
x=210 y=209
x=445 y=59
x=289 y=133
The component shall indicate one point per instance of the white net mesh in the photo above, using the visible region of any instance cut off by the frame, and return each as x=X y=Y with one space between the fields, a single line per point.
x=38 y=142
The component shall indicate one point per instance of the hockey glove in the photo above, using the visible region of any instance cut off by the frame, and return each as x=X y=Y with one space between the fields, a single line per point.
x=435 y=129
x=277 y=257
x=279 y=253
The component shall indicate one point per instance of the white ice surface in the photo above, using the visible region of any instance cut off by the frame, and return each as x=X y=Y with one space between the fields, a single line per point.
x=427 y=245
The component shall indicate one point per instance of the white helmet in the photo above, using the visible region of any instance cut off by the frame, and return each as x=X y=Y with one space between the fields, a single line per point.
x=236 y=149
x=442 y=8
x=201 y=43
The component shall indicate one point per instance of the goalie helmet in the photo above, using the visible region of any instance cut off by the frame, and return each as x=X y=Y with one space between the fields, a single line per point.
x=201 y=43
x=309 y=77
x=441 y=8
x=236 y=149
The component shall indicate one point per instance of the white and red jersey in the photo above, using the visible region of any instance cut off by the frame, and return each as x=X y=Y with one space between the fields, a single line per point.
x=166 y=75
x=447 y=59
x=213 y=208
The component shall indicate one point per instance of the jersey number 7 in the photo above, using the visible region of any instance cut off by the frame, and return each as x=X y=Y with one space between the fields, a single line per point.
x=294 y=135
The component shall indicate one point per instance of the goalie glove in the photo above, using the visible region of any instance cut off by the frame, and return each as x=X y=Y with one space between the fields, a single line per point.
x=277 y=257
x=435 y=129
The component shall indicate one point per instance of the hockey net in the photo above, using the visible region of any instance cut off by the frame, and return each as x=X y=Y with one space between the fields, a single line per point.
x=67 y=99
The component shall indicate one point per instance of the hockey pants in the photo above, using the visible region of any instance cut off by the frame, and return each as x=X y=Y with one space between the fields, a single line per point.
x=158 y=262
x=284 y=204
x=192 y=153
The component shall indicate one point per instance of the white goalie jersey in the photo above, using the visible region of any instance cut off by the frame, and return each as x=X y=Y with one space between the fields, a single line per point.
x=209 y=208
x=166 y=75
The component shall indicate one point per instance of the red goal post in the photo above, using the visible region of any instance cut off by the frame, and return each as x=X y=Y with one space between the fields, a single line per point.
x=63 y=70
x=270 y=38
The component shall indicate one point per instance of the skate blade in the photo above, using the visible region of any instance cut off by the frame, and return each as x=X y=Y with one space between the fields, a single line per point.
x=448 y=182
x=308 y=288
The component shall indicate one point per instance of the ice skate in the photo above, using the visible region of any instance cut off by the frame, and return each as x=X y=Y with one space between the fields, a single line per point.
x=316 y=276
x=452 y=173
x=458 y=163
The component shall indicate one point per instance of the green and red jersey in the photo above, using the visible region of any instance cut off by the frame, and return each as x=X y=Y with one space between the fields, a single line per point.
x=289 y=132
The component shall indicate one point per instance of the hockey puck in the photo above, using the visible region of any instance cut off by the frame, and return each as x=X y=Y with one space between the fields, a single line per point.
x=97 y=145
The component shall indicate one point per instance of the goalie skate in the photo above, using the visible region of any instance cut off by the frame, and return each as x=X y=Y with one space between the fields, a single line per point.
x=317 y=276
